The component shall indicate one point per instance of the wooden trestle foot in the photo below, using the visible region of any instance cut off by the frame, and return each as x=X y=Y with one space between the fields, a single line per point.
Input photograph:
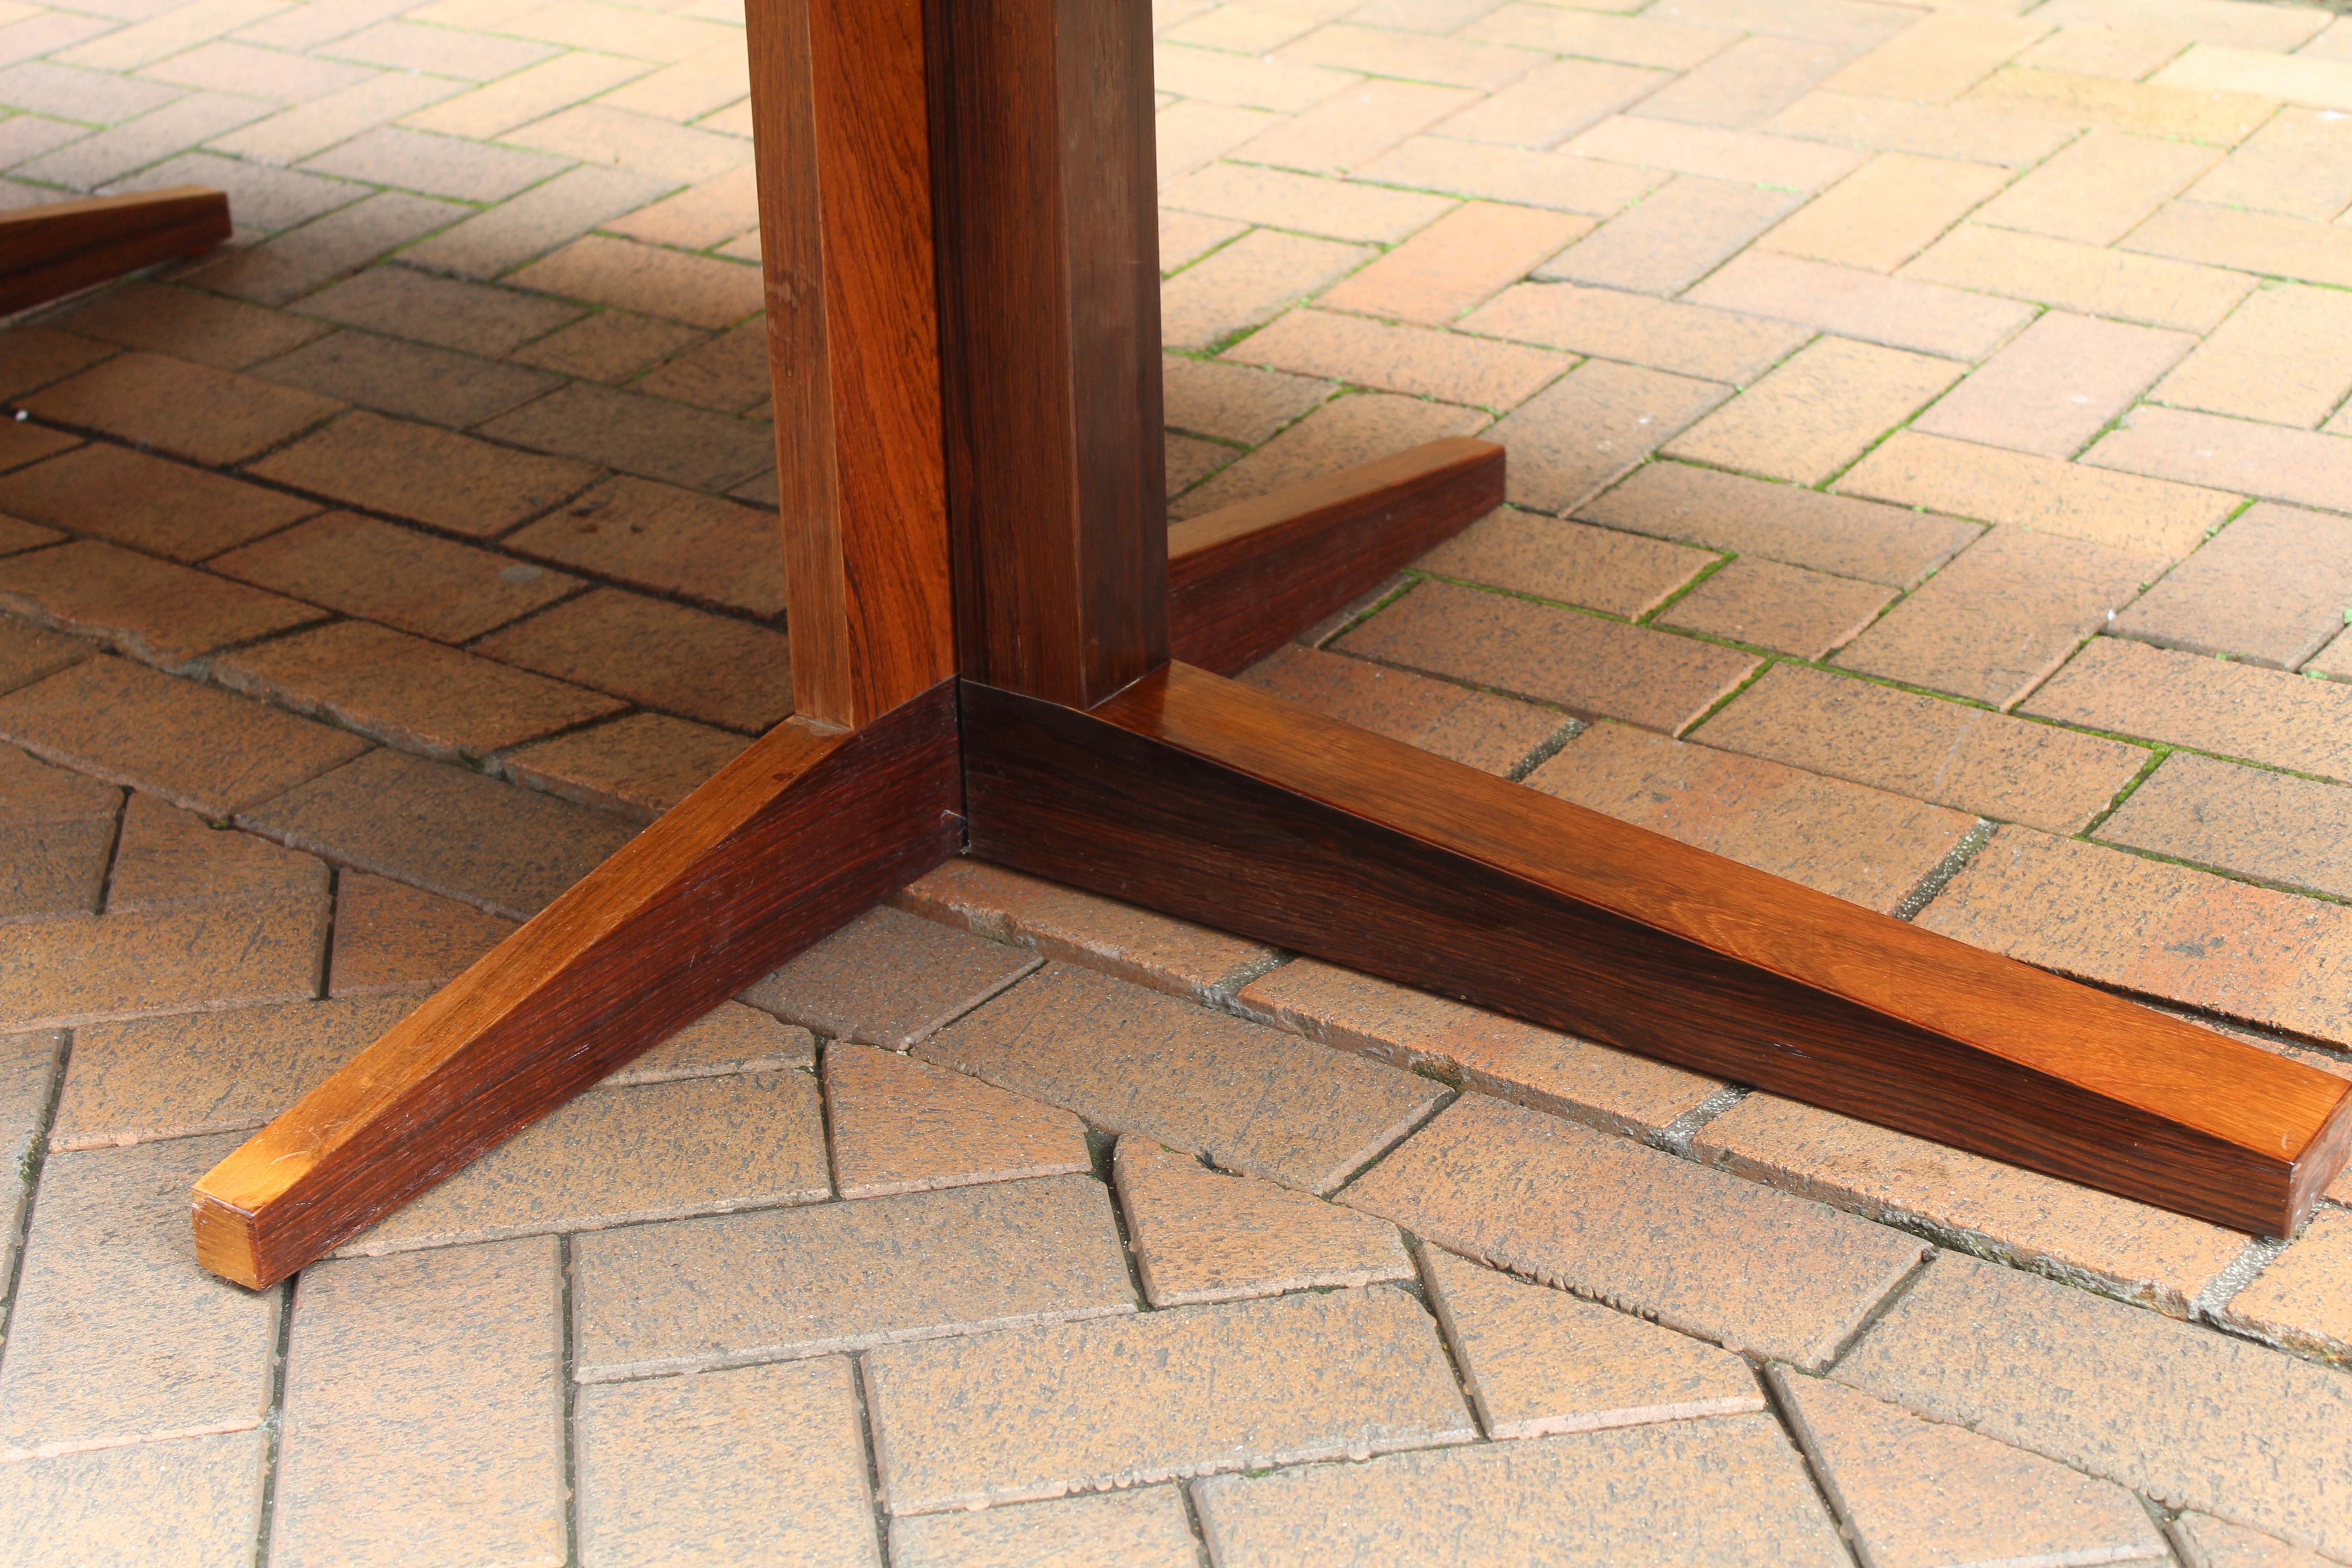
x=48 y=250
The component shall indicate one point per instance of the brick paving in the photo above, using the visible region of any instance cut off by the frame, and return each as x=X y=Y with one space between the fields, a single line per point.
x=1931 y=480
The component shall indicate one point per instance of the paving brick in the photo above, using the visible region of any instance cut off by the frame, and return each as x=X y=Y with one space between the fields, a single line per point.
x=1725 y=1490
x=1589 y=426
x=424 y=1409
x=1750 y=1268
x=1356 y=428
x=1199 y=1236
x=2122 y=513
x=1830 y=534
x=2299 y=164
x=1143 y=1526
x=2200 y=19
x=1885 y=212
x=526 y=95
x=2297 y=1300
x=402 y=302
x=659 y=1150
x=116 y=1335
x=641 y=144
x=698 y=290
x=186 y=410
x=828 y=1278
x=2181 y=1413
x=638 y=765
x=417 y=695
x=1039 y=1412
x=33 y=793
x=668 y=540
x=2216 y=118
x=293 y=264
x=1220 y=77
x=155 y=36
x=1677 y=235
x=1406 y=359
x=1353 y=126
x=2057 y=384
x=445 y=829
x=1549 y=105
x=1129 y=1060
x=410 y=581
x=1630 y=40
x=638 y=435
x=2316 y=83
x=1188 y=134
x=1133 y=944
x=427 y=475
x=1938 y=58
x=69 y=970
x=435 y=165
x=1455 y=62
x=888 y=979
x=611 y=345
x=1818 y=411
x=185 y=1504
x=390 y=937
x=1601 y=569
x=642 y=34
x=16 y=536
x=2279 y=358
x=1231 y=402
x=729 y=1040
x=1488 y=732
x=1748 y=82
x=664 y=656
x=734 y=1432
x=2273 y=826
x=1785 y=608
x=1900 y=312
x=1937 y=131
x=1986 y=764
x=408 y=381
x=2334 y=661
x=2272 y=588
x=1920 y=1491
x=202 y=1073
x=727 y=373
x=2208 y=1542
x=197 y=748
x=1511 y=175
x=55 y=867
x=1538 y=1360
x=2098 y=189
x=1688 y=340
x=44 y=86
x=29 y=1064
x=1247 y=281
x=159 y=507
x=905 y=1126
x=22 y=443
x=1242 y=31
x=538 y=220
x=1336 y=209
x=2123 y=56
x=1745 y=157
x=2082 y=277
x=1858 y=843
x=157 y=612
x=2214 y=705
x=263 y=197
x=202 y=328
x=701 y=215
x=166 y=857
x=2258 y=242
x=2299 y=465
x=2001 y=618
x=2158 y=929
x=107 y=156
x=1584 y=664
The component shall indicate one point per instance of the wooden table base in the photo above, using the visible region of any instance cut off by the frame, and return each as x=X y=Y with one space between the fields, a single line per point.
x=51 y=249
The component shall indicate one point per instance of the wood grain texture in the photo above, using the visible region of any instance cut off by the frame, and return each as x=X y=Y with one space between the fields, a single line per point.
x=841 y=123
x=1212 y=801
x=51 y=250
x=1048 y=242
x=1246 y=578
x=803 y=832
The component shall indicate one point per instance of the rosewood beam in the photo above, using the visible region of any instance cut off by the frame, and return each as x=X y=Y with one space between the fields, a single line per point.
x=49 y=250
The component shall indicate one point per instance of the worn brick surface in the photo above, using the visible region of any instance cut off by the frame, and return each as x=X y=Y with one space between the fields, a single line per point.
x=186 y=410
x=734 y=1433
x=1581 y=663
x=150 y=609
x=671 y=540
x=1920 y=1491
x=1129 y=1060
x=1750 y=1268
x=664 y=656
x=1144 y=1526
x=407 y=381
x=403 y=303
x=226 y=334
x=2215 y=705
x=2299 y=164
x=902 y=1126
x=2158 y=929
x=888 y=979
x=2300 y=466
x=1408 y=359
x=1785 y=608
x=828 y=1278
x=1858 y=843
x=1949 y=752
x=619 y=1156
x=2123 y=510
x=729 y=1039
x=1121 y=940
x=1899 y=312
x=185 y=1504
x=1664 y=334
x=2298 y=1299
x=1234 y=403
x=1518 y=175
x=147 y=503
x=1817 y=412
x=29 y=1065
x=2270 y=826
x=638 y=765
x=1491 y=733
x=57 y=835
x=700 y=290
x=116 y=1334
x=1885 y=212
x=2272 y=589
x=1538 y=1360
x=390 y=937
x=1248 y=281
x=1676 y=236
x=1038 y=1412
x=2099 y=188
x=233 y=952
x=1730 y=1490
x=2281 y=357
x=424 y=1409
x=1749 y=156
x=425 y=474
x=1828 y=533
x=1591 y=425
x=2208 y=1542
x=165 y=857
x=2176 y=1411
x=445 y=830
x=2056 y=386
x=410 y=581
x=1997 y=621
x=611 y=345
x=1455 y=262
x=1940 y=131
x=1201 y=1236
x=1342 y=433
x=2218 y=119
x=1622 y=575
x=1996 y=1209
